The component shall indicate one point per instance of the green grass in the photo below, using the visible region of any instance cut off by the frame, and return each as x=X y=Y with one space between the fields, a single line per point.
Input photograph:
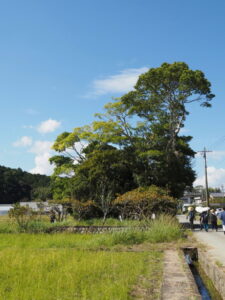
x=164 y=229
x=7 y=225
x=66 y=266
x=31 y=273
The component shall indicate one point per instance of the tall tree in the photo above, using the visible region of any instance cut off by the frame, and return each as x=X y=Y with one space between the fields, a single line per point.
x=142 y=126
x=161 y=95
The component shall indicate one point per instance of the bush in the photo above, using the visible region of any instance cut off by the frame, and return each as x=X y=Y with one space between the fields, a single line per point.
x=23 y=215
x=142 y=202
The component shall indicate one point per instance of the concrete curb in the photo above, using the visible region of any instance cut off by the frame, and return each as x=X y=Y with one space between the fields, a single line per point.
x=178 y=282
x=213 y=271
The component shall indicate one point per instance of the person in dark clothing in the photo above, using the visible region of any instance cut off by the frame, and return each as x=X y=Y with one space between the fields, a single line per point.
x=191 y=217
x=200 y=220
x=213 y=219
x=52 y=217
x=222 y=217
x=204 y=220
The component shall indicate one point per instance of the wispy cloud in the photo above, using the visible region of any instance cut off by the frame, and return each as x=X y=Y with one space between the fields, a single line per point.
x=216 y=177
x=184 y=131
x=28 y=127
x=48 y=126
x=214 y=155
x=118 y=83
x=40 y=147
x=31 y=111
x=24 y=141
x=42 y=151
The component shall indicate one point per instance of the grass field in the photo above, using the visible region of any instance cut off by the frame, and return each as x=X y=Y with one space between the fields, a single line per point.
x=35 y=270
x=66 y=266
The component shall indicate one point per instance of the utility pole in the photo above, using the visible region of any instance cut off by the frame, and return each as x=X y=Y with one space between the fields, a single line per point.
x=203 y=152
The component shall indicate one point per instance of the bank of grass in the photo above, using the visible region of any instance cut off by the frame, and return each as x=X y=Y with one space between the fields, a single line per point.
x=72 y=274
x=42 y=224
x=163 y=229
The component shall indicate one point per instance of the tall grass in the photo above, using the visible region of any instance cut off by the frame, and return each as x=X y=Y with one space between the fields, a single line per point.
x=60 y=266
x=163 y=229
x=66 y=274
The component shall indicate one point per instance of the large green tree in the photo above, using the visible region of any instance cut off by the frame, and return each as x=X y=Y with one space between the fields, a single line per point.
x=143 y=129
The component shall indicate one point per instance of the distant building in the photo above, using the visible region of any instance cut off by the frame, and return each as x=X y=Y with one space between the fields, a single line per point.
x=45 y=206
x=214 y=196
x=192 y=197
x=4 y=209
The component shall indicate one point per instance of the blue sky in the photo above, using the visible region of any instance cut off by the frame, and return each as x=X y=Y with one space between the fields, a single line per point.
x=61 y=61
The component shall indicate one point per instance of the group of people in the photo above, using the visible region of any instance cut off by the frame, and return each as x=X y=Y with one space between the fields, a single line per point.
x=207 y=217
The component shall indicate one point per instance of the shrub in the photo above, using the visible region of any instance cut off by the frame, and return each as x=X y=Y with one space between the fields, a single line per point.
x=142 y=202
x=23 y=215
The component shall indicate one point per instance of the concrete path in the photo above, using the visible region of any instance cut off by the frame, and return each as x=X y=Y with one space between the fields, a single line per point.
x=215 y=244
x=178 y=283
x=214 y=241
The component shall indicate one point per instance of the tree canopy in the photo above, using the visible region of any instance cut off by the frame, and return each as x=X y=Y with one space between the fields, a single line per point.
x=137 y=141
x=17 y=185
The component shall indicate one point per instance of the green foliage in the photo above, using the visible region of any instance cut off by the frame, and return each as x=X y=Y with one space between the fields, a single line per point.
x=136 y=142
x=142 y=202
x=42 y=193
x=85 y=210
x=23 y=215
x=17 y=185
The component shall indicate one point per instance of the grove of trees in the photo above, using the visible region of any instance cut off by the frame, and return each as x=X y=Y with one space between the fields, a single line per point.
x=17 y=185
x=136 y=143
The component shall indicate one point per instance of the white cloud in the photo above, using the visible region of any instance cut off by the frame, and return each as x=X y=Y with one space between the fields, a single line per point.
x=216 y=177
x=48 y=126
x=42 y=165
x=184 y=131
x=214 y=155
x=217 y=155
x=40 y=147
x=43 y=152
x=24 y=141
x=119 y=83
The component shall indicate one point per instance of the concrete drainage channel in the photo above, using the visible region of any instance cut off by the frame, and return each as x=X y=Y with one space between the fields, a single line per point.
x=205 y=284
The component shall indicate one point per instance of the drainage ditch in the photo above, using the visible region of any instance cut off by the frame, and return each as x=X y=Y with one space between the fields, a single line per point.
x=204 y=284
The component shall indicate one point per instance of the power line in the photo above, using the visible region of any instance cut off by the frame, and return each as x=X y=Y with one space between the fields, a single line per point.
x=203 y=152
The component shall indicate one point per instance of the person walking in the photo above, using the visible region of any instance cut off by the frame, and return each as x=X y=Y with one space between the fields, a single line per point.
x=222 y=218
x=213 y=219
x=191 y=217
x=200 y=220
x=204 y=220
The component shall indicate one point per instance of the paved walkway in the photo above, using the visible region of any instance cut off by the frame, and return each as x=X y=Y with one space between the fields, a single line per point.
x=214 y=241
x=178 y=283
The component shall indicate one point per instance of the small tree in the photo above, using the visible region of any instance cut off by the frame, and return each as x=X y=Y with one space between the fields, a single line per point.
x=142 y=202
x=23 y=215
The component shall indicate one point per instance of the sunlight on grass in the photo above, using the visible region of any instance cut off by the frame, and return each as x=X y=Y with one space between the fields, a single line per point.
x=70 y=274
